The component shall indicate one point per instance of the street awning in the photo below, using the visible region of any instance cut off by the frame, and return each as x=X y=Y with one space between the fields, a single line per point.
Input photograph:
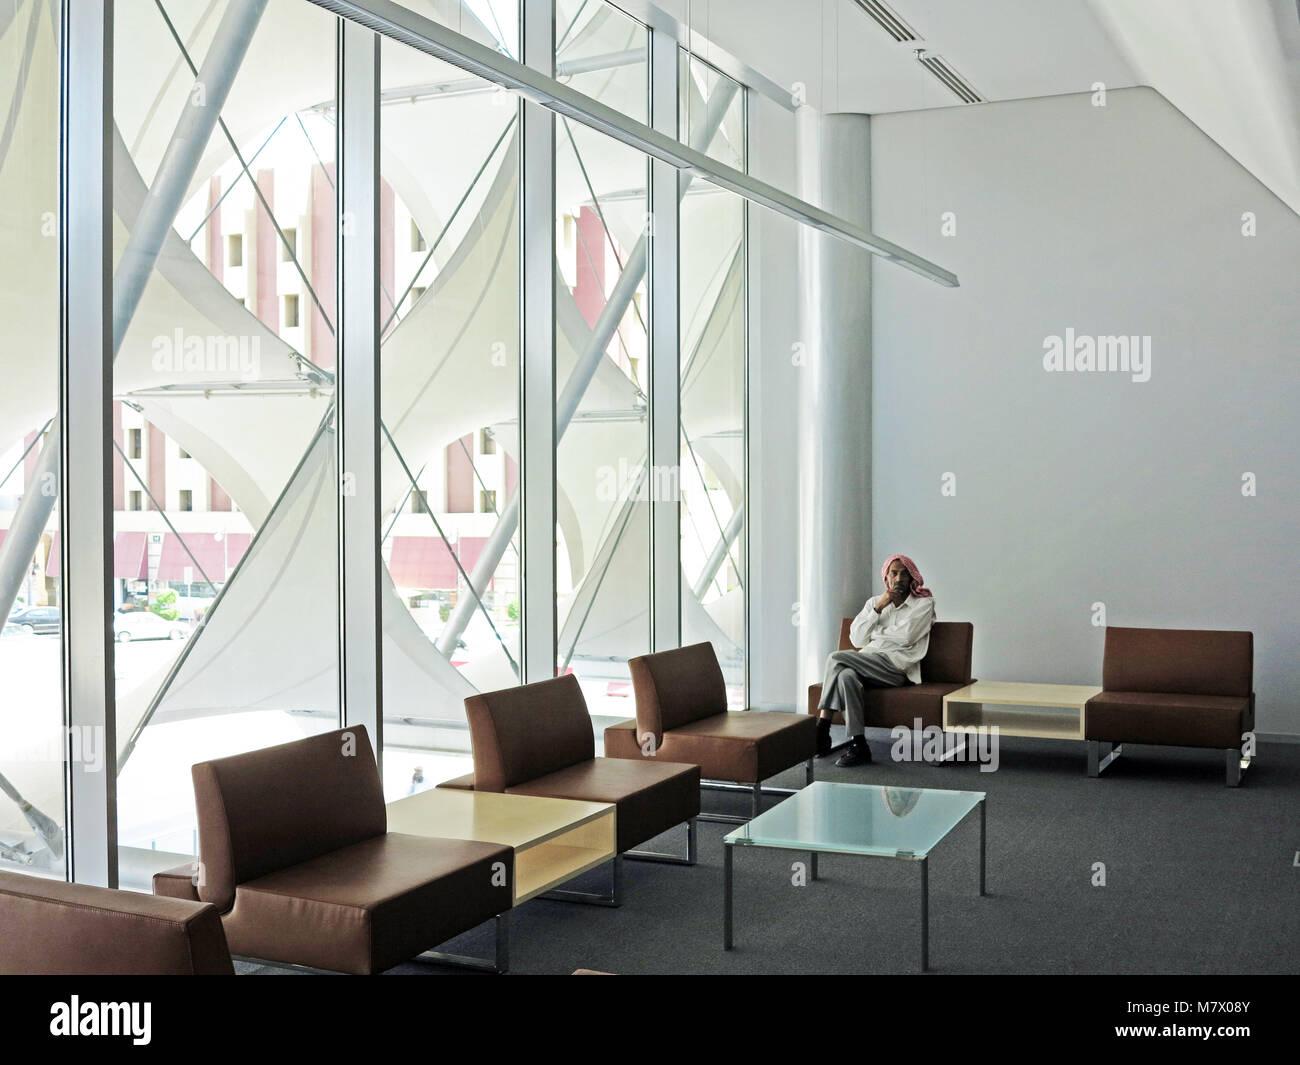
x=422 y=562
x=130 y=555
x=468 y=549
x=214 y=556
x=425 y=561
x=238 y=545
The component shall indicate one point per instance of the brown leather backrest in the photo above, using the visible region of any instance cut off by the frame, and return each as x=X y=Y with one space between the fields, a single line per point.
x=48 y=927
x=845 y=643
x=520 y=734
x=277 y=807
x=1178 y=661
x=948 y=658
x=676 y=687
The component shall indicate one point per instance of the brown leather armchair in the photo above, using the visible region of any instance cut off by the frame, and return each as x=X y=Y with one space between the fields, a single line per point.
x=295 y=853
x=945 y=668
x=1176 y=687
x=537 y=739
x=682 y=716
x=51 y=928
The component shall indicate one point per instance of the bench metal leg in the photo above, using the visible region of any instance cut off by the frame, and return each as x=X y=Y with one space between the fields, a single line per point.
x=592 y=898
x=310 y=969
x=1097 y=761
x=499 y=963
x=983 y=835
x=756 y=793
x=726 y=895
x=732 y=785
x=925 y=914
x=670 y=859
x=1236 y=764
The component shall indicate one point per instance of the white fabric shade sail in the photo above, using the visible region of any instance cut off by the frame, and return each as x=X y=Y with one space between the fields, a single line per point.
x=449 y=367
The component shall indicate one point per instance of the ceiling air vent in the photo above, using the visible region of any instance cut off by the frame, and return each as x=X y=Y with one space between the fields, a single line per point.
x=888 y=20
x=958 y=85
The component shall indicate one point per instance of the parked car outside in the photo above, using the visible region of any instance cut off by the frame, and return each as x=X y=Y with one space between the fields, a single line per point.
x=36 y=620
x=131 y=625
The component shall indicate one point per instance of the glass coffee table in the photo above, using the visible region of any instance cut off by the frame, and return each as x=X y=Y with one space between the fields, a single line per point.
x=868 y=820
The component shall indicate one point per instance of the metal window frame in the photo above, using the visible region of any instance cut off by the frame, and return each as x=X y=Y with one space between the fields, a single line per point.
x=357 y=384
x=665 y=351
x=85 y=439
x=652 y=14
x=539 y=629
x=86 y=347
x=747 y=311
x=432 y=38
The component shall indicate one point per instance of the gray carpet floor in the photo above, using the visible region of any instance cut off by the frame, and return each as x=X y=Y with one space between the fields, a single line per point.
x=1200 y=878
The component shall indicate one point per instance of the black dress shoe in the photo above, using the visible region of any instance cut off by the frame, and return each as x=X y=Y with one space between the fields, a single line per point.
x=858 y=753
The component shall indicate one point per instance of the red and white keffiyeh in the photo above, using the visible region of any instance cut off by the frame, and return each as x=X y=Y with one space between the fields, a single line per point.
x=918 y=582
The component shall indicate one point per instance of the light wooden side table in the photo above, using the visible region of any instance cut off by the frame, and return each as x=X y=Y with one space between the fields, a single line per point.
x=554 y=840
x=1042 y=711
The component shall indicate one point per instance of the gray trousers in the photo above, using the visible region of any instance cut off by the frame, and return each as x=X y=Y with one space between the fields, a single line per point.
x=848 y=674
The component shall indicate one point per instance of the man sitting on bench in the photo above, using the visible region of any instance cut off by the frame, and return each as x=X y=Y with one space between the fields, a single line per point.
x=892 y=635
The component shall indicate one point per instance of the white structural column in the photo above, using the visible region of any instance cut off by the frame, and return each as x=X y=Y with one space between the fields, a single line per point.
x=361 y=695
x=665 y=354
x=537 y=358
x=834 y=169
x=85 y=478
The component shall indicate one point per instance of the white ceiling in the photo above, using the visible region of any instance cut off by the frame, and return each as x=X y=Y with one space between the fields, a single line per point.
x=1231 y=66
x=1006 y=49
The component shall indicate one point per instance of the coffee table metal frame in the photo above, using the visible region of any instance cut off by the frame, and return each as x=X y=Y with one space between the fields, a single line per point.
x=922 y=861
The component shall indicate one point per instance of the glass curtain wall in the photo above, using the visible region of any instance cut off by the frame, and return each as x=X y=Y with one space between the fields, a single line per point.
x=225 y=475
x=602 y=53
x=713 y=379
x=31 y=714
x=602 y=428
x=225 y=488
x=602 y=368
x=492 y=22
x=717 y=130
x=449 y=296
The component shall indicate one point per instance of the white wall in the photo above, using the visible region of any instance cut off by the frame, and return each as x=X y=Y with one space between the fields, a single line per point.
x=1080 y=488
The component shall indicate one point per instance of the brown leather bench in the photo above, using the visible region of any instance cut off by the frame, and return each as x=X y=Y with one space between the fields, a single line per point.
x=945 y=668
x=52 y=928
x=537 y=739
x=295 y=854
x=682 y=716
x=1173 y=687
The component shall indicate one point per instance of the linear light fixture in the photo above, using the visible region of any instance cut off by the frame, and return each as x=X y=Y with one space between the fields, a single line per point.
x=954 y=82
x=889 y=20
x=893 y=24
x=405 y=26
